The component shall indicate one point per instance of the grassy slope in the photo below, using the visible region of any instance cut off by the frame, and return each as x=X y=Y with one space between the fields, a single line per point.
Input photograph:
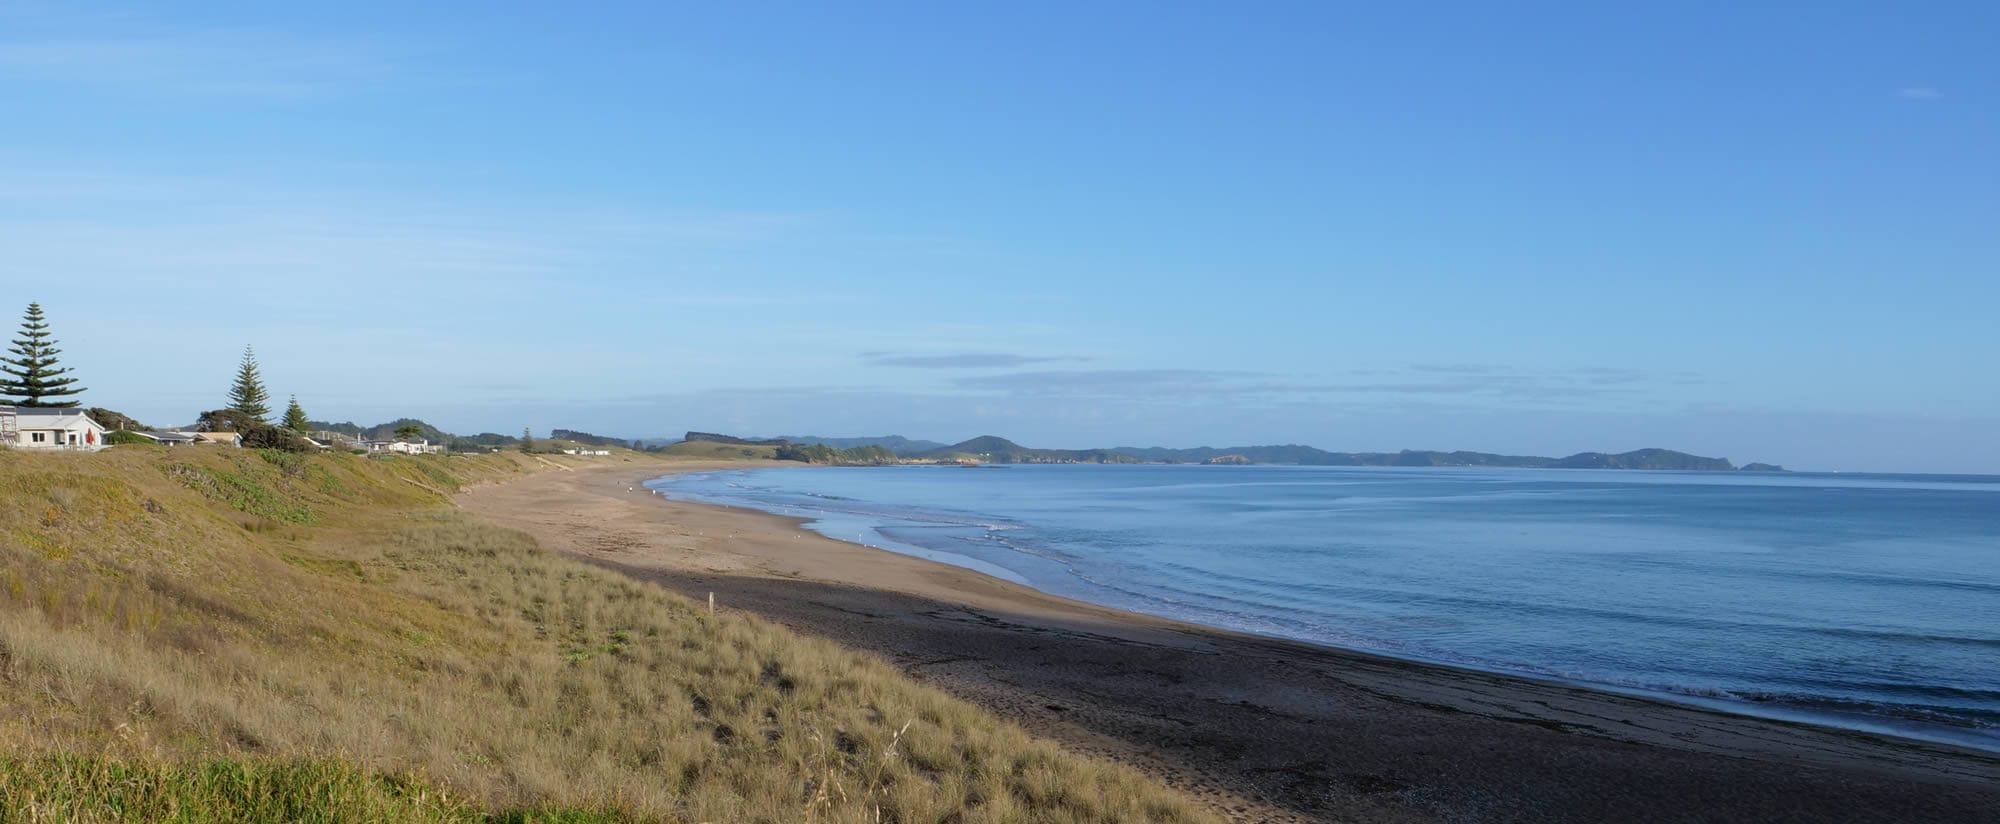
x=331 y=622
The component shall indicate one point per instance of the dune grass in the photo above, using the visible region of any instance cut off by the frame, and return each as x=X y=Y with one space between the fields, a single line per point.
x=271 y=630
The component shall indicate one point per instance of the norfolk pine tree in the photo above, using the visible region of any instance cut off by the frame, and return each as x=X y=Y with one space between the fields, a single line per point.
x=527 y=440
x=247 y=395
x=31 y=379
x=295 y=417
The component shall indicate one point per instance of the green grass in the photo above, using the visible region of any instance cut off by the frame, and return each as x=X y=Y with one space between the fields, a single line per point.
x=143 y=629
x=302 y=791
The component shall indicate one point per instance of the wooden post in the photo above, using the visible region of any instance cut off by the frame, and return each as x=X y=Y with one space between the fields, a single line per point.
x=711 y=603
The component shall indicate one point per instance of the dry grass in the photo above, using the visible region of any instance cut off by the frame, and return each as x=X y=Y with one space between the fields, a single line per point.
x=79 y=788
x=168 y=608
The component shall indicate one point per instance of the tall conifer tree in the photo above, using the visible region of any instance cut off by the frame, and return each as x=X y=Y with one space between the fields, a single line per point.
x=295 y=417
x=31 y=378
x=247 y=395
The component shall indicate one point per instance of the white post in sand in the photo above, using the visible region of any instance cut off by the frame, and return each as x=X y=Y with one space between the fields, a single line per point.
x=711 y=603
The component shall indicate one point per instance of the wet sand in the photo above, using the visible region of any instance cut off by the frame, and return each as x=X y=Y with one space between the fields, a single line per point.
x=1264 y=729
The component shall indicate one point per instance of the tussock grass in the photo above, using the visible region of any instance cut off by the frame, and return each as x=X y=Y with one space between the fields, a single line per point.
x=167 y=633
x=78 y=788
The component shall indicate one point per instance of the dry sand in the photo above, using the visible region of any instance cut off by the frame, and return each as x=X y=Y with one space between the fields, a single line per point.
x=1265 y=730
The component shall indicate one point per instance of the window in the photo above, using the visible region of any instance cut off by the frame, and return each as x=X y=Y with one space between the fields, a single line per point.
x=38 y=437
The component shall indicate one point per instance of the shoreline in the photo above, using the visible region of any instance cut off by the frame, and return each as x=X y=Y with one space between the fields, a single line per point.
x=1855 y=722
x=1263 y=728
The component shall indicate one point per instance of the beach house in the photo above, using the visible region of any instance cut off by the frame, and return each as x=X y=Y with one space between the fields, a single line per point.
x=45 y=428
x=419 y=447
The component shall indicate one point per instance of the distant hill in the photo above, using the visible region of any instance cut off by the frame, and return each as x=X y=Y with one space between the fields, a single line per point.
x=999 y=450
x=380 y=431
x=387 y=431
x=995 y=449
x=344 y=427
x=1643 y=459
x=1309 y=456
x=574 y=436
x=715 y=450
x=711 y=437
x=894 y=443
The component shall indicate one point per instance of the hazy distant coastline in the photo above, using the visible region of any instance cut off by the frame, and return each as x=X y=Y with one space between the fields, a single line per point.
x=995 y=449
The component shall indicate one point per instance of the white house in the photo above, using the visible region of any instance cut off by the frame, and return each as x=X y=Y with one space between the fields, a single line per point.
x=44 y=428
x=420 y=447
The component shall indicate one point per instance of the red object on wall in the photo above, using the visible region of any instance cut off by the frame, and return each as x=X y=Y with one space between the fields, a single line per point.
x=89 y=437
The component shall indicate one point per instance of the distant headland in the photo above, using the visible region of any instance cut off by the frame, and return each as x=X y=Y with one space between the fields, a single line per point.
x=992 y=449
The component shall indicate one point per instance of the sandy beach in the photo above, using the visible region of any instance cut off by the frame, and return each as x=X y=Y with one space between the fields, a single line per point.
x=1264 y=729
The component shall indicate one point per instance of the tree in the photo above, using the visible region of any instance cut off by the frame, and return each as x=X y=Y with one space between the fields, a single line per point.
x=32 y=377
x=226 y=420
x=295 y=417
x=247 y=395
x=261 y=435
x=408 y=431
x=527 y=440
x=113 y=419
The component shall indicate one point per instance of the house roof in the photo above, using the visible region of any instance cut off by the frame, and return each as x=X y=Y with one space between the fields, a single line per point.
x=43 y=421
x=165 y=436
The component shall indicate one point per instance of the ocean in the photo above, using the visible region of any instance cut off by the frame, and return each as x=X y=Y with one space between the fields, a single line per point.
x=1864 y=601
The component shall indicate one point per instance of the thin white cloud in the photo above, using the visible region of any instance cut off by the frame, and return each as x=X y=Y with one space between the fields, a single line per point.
x=1919 y=93
x=965 y=360
x=239 y=63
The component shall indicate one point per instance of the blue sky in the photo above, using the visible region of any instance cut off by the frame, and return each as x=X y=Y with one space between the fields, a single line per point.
x=1766 y=233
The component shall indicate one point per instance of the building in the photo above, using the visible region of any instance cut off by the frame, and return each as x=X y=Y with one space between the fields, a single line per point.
x=44 y=428
x=215 y=438
x=167 y=438
x=420 y=447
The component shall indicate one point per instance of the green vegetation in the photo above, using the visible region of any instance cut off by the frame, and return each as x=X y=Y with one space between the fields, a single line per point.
x=714 y=451
x=122 y=437
x=228 y=635
x=32 y=378
x=822 y=454
x=587 y=439
x=894 y=443
x=247 y=396
x=80 y=788
x=993 y=449
x=295 y=417
x=113 y=419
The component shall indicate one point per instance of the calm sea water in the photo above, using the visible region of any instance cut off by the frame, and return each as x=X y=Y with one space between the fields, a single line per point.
x=1869 y=601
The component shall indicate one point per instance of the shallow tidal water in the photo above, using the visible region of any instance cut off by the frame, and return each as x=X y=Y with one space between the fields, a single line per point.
x=1868 y=601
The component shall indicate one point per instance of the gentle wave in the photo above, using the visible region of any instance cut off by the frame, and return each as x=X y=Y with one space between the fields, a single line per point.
x=1869 y=608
